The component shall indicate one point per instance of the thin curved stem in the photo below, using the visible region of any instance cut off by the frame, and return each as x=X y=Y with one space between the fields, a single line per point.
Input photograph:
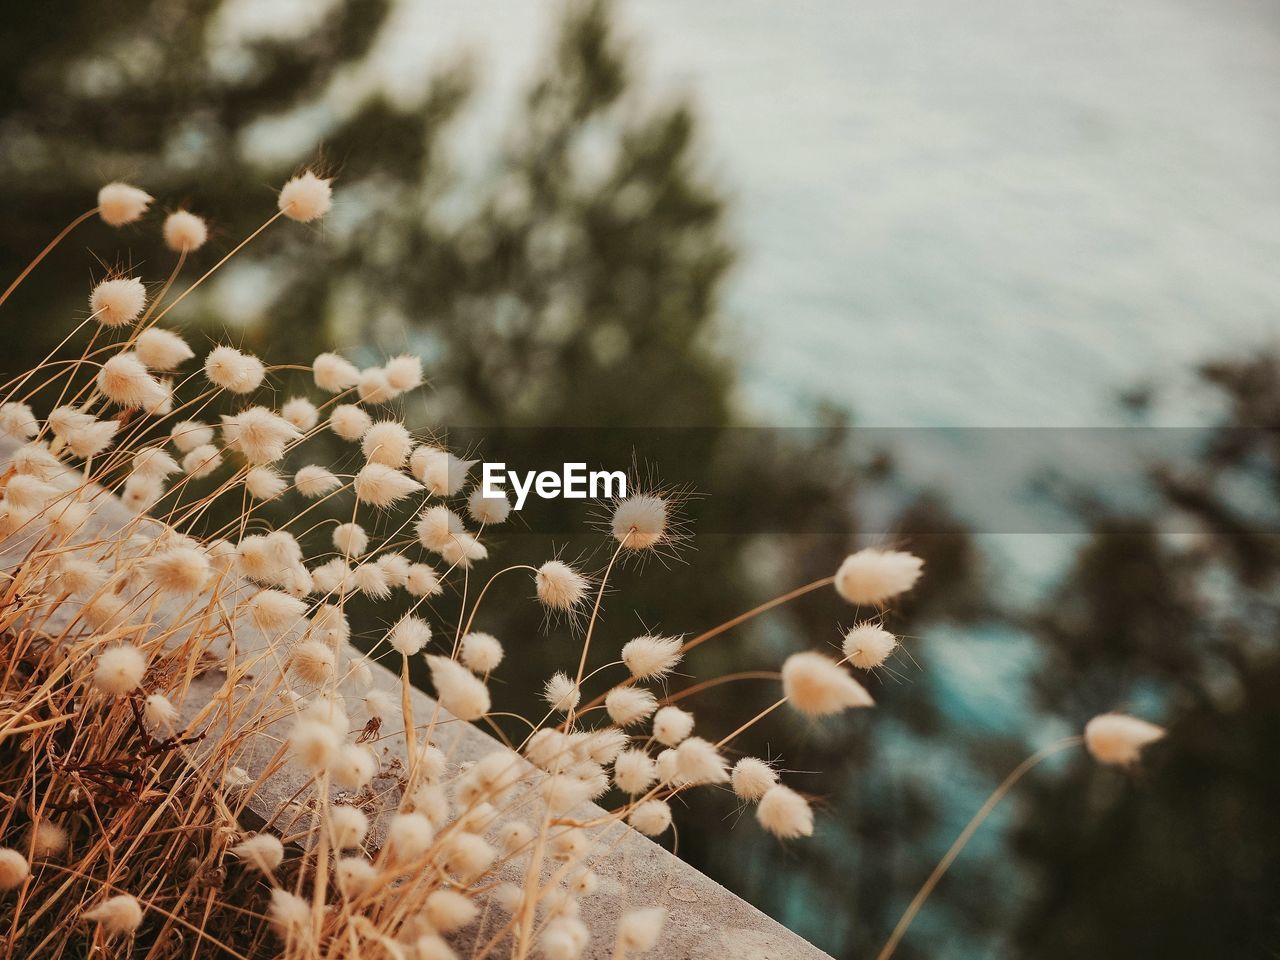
x=46 y=251
x=966 y=835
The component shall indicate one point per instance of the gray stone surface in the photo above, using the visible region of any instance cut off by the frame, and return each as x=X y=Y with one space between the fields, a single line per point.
x=705 y=920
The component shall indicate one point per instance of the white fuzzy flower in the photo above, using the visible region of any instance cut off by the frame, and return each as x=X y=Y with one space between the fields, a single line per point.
x=118 y=302
x=634 y=772
x=387 y=442
x=629 y=705
x=262 y=851
x=315 y=481
x=651 y=818
x=119 y=670
x=381 y=486
x=640 y=522
x=189 y=434
x=404 y=373
x=17 y=421
x=159 y=712
x=481 y=652
x=638 y=930
x=1118 y=739
x=184 y=231
x=488 y=510
x=819 y=686
x=459 y=690
x=349 y=421
x=374 y=387
x=785 y=813
x=409 y=635
x=263 y=483
x=161 y=349
x=306 y=197
x=233 y=370
x=421 y=580
x=350 y=539
x=301 y=412
x=752 y=778
x=671 y=725
x=868 y=645
x=651 y=656
x=874 y=576
x=347 y=827
x=202 y=461
x=559 y=586
x=120 y=203
x=561 y=693
x=118 y=915
x=333 y=373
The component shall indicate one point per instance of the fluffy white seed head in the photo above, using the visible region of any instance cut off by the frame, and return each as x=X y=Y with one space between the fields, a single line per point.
x=449 y=910
x=387 y=442
x=634 y=772
x=48 y=840
x=333 y=373
x=92 y=438
x=699 y=762
x=232 y=370
x=564 y=938
x=119 y=203
x=119 y=301
x=119 y=670
x=561 y=693
x=441 y=472
x=652 y=818
x=349 y=421
x=404 y=372
x=819 y=686
x=119 y=915
x=374 y=387
x=409 y=635
x=1118 y=739
x=189 y=434
x=159 y=713
x=301 y=413
x=262 y=850
x=437 y=527
x=274 y=612
x=459 y=690
x=353 y=767
x=202 y=461
x=371 y=580
x=14 y=869
x=312 y=661
x=290 y=915
x=868 y=645
x=162 y=349
x=259 y=434
x=347 y=826
x=559 y=586
x=350 y=539
x=640 y=522
x=785 y=813
x=873 y=577
x=315 y=481
x=481 y=652
x=421 y=580
x=17 y=421
x=651 y=656
x=629 y=705
x=638 y=930
x=263 y=483
x=179 y=571
x=752 y=778
x=488 y=510
x=515 y=835
x=183 y=230
x=306 y=197
x=671 y=725
x=409 y=836
x=314 y=744
x=355 y=876
x=124 y=380
x=381 y=486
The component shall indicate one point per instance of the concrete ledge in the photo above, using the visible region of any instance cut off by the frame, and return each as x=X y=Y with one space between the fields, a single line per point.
x=705 y=921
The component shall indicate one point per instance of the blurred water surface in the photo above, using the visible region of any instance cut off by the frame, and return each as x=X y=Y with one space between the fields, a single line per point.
x=986 y=212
